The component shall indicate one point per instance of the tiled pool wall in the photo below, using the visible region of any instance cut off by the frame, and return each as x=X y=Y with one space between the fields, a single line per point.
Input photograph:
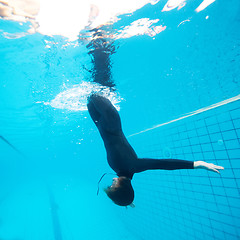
x=190 y=204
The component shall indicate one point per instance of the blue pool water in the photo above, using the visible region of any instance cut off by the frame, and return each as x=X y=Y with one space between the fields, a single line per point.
x=178 y=95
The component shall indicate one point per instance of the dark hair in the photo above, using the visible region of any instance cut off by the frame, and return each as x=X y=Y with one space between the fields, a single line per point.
x=123 y=194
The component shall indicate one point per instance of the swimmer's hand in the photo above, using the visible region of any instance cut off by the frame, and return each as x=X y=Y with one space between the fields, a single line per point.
x=208 y=166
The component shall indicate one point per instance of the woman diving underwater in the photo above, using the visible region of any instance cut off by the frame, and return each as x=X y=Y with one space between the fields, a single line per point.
x=120 y=155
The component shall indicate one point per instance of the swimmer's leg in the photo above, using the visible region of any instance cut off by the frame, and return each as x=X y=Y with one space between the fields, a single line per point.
x=108 y=113
x=103 y=105
x=95 y=115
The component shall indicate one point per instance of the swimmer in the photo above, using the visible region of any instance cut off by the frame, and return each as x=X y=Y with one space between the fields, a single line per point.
x=121 y=156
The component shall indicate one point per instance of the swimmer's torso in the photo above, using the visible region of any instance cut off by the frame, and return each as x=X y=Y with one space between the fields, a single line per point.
x=120 y=155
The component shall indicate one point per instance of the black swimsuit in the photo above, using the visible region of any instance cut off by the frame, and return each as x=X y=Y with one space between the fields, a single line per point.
x=120 y=155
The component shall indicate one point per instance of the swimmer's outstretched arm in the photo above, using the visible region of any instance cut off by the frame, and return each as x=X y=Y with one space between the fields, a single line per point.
x=143 y=164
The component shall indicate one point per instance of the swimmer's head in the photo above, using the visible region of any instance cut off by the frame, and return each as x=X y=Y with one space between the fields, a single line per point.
x=121 y=191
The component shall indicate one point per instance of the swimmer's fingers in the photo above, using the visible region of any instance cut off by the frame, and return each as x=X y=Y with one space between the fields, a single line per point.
x=215 y=168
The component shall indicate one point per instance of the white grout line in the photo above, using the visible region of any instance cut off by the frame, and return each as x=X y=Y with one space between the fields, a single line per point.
x=201 y=110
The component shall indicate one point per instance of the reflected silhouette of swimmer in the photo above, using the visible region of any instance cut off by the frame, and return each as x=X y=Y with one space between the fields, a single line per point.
x=121 y=156
x=100 y=50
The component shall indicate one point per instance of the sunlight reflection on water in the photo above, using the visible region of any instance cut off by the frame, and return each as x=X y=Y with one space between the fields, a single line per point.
x=69 y=18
